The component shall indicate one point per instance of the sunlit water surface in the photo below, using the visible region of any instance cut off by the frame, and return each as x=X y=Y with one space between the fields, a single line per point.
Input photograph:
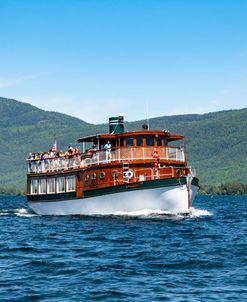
x=139 y=256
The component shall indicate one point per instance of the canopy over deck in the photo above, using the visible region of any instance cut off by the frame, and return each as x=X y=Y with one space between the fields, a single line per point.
x=92 y=138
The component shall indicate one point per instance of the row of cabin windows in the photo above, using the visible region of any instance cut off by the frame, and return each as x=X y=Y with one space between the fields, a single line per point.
x=52 y=185
x=140 y=141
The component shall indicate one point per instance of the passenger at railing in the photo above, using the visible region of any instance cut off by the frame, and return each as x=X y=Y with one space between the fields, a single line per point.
x=157 y=169
x=30 y=159
x=77 y=157
x=107 y=148
x=62 y=160
x=42 y=163
x=56 y=161
x=91 y=152
x=76 y=150
x=47 y=160
x=69 y=156
x=50 y=159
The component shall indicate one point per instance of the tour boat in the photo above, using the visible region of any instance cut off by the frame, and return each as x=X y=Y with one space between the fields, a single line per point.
x=121 y=172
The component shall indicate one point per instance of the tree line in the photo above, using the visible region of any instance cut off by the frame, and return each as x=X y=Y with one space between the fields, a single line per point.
x=232 y=188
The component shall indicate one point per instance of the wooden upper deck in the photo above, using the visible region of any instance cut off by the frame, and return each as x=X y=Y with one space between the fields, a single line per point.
x=135 y=146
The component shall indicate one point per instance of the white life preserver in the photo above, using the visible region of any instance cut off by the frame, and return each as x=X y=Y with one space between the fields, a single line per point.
x=129 y=174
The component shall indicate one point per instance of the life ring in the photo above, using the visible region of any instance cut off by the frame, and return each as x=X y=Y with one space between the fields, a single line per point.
x=155 y=154
x=129 y=174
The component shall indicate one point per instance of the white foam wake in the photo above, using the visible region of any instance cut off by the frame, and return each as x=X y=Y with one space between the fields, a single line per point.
x=199 y=213
x=18 y=212
x=149 y=213
x=24 y=213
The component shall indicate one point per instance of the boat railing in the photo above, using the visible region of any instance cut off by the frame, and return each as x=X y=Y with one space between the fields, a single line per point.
x=103 y=157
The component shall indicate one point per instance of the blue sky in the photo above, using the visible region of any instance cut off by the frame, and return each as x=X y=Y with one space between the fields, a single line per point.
x=96 y=58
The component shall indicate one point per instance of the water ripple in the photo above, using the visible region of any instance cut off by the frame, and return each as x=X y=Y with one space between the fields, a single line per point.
x=139 y=256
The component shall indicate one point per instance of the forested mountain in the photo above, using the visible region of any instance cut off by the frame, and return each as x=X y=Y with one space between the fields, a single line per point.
x=216 y=142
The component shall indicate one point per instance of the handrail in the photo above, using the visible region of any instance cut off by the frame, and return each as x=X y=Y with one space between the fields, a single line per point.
x=104 y=157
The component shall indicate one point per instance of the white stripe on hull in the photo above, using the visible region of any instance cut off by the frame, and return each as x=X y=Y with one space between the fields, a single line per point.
x=168 y=198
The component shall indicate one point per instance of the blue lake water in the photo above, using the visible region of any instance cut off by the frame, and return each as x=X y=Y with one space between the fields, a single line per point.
x=143 y=257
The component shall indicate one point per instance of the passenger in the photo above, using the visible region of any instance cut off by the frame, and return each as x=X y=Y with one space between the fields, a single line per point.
x=107 y=148
x=90 y=153
x=42 y=162
x=77 y=157
x=77 y=151
x=30 y=162
x=94 y=149
x=157 y=169
x=70 y=150
x=46 y=161
x=70 y=156
x=62 y=161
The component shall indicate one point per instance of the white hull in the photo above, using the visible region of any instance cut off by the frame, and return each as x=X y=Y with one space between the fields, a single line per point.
x=165 y=198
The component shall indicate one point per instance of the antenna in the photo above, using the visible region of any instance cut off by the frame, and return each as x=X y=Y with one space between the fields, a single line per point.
x=147 y=118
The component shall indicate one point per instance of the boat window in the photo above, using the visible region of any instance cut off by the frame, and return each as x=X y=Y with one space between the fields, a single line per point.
x=42 y=186
x=121 y=142
x=70 y=183
x=139 y=141
x=129 y=141
x=165 y=141
x=60 y=184
x=159 y=141
x=102 y=175
x=149 y=140
x=34 y=186
x=51 y=185
x=93 y=176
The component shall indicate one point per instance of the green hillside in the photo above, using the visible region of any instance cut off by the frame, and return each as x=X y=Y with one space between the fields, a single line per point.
x=216 y=142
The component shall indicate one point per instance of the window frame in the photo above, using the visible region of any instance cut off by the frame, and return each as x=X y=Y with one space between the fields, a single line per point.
x=40 y=181
x=68 y=183
x=49 y=181
x=60 y=180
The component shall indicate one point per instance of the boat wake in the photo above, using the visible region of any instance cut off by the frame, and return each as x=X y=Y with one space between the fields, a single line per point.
x=17 y=212
x=166 y=214
x=142 y=214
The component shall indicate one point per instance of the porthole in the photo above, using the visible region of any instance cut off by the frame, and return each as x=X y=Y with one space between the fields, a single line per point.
x=86 y=178
x=93 y=176
x=102 y=175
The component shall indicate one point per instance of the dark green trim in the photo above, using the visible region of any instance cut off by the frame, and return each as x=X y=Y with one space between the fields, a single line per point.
x=52 y=197
x=195 y=182
x=145 y=185
x=151 y=184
